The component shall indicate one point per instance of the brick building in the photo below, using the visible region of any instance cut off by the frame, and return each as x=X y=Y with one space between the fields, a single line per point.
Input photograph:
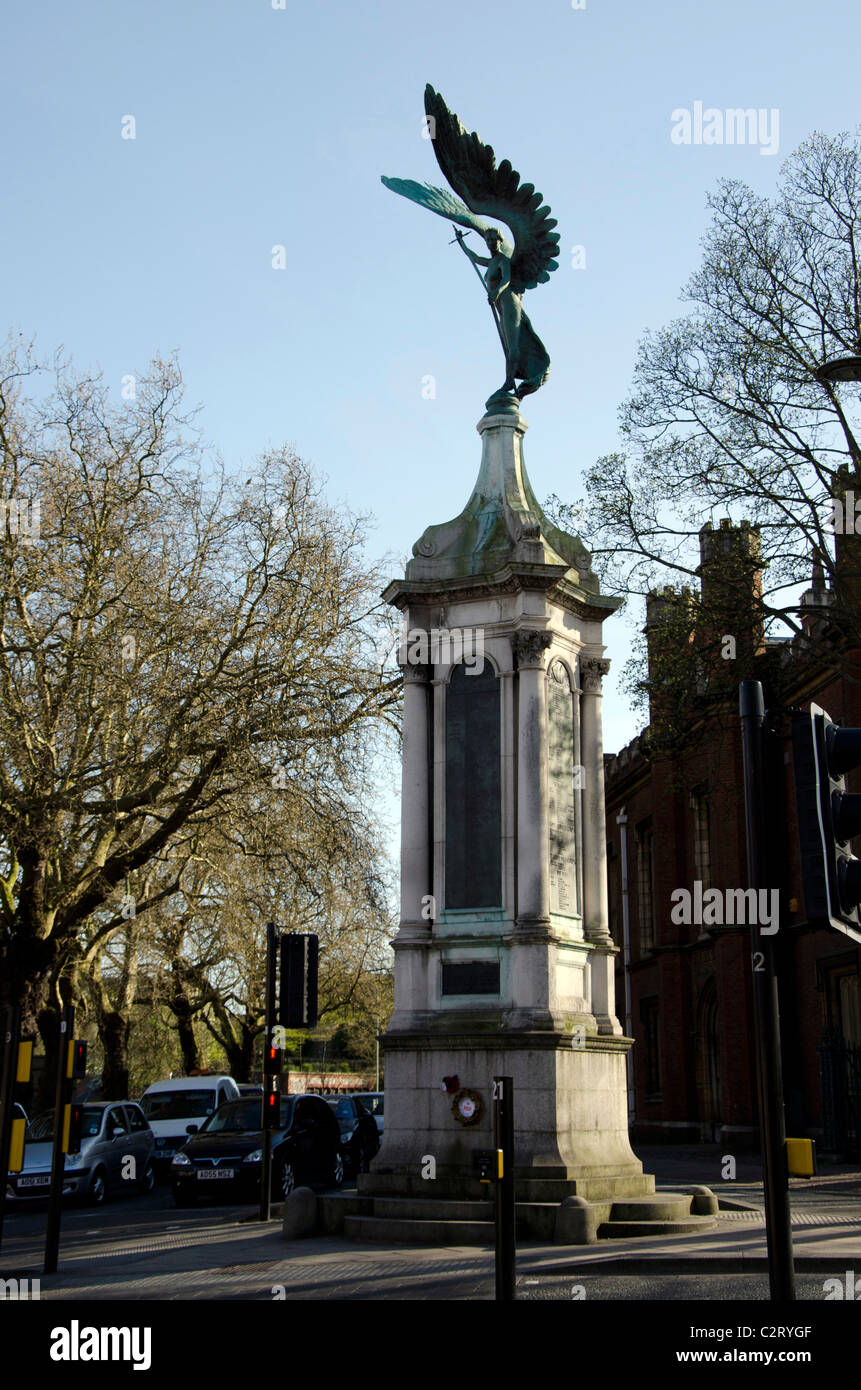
x=675 y=817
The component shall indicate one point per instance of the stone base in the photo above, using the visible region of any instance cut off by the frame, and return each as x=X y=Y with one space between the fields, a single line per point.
x=570 y=1116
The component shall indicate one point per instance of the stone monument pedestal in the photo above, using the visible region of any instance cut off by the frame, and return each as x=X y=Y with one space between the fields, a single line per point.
x=503 y=957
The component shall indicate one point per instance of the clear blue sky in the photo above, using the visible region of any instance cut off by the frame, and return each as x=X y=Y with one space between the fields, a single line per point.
x=257 y=126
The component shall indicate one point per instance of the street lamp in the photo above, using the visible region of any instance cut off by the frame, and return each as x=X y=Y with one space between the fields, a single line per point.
x=839 y=369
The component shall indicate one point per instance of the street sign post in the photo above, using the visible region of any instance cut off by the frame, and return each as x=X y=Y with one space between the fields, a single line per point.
x=503 y=1140
x=755 y=738
x=61 y=1098
x=271 y=1077
x=11 y=1027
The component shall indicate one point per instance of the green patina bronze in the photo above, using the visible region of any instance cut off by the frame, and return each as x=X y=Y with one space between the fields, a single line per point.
x=488 y=190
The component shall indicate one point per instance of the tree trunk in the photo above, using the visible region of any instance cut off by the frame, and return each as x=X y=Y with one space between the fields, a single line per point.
x=182 y=1012
x=114 y=1037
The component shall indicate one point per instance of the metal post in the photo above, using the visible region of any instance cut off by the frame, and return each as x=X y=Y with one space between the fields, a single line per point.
x=11 y=1030
x=503 y=1138
x=775 y=1175
x=271 y=976
x=61 y=1090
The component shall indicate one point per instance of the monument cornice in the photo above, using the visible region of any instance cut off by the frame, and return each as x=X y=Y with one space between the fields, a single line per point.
x=545 y=1040
x=509 y=579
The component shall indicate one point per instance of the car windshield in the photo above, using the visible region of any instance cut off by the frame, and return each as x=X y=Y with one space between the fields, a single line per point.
x=178 y=1105
x=373 y=1104
x=43 y=1126
x=242 y=1116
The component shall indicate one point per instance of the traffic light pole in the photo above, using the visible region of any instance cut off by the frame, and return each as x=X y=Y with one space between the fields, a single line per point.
x=11 y=1029
x=55 y=1198
x=503 y=1139
x=775 y=1174
x=266 y=1163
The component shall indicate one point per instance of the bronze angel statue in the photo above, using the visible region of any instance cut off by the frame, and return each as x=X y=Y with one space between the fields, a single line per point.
x=490 y=191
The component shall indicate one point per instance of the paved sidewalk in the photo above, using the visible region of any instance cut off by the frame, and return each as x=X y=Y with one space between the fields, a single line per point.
x=233 y=1259
x=245 y=1260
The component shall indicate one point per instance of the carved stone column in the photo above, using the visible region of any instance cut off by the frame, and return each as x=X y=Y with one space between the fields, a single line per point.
x=415 y=800
x=595 y=911
x=533 y=854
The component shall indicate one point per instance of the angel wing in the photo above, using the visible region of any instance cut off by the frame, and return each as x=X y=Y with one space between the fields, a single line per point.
x=439 y=200
x=470 y=167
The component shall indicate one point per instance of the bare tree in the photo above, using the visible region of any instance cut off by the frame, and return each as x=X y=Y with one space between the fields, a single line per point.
x=728 y=418
x=171 y=641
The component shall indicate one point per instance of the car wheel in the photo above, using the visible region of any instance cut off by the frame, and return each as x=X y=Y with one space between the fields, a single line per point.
x=98 y=1188
x=338 y=1171
x=147 y=1182
x=286 y=1180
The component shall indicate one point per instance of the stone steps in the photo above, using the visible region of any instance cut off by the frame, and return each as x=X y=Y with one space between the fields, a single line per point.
x=663 y=1206
x=419 y=1231
x=678 y=1226
x=437 y=1221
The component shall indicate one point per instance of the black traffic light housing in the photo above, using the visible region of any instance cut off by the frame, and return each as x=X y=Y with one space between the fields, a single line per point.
x=273 y=1059
x=77 y=1067
x=828 y=819
x=298 y=1001
x=73 y=1128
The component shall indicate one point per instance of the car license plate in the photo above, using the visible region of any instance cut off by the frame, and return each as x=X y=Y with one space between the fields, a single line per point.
x=216 y=1173
x=37 y=1180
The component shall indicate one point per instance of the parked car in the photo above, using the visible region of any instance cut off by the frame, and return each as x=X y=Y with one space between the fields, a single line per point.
x=226 y=1154
x=373 y=1102
x=113 y=1131
x=247 y=1088
x=178 y=1107
x=360 y=1139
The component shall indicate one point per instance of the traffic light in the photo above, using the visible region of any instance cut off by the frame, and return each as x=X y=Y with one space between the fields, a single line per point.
x=828 y=818
x=298 y=1001
x=271 y=1102
x=272 y=1060
x=76 y=1066
x=73 y=1128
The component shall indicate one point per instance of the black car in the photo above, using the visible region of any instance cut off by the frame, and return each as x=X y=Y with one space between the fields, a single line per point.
x=360 y=1138
x=225 y=1155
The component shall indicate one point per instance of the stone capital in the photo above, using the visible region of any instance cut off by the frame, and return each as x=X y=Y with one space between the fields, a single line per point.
x=529 y=647
x=592 y=672
x=415 y=673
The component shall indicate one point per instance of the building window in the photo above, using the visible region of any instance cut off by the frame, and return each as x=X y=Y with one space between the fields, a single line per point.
x=650 y=1019
x=645 y=886
x=702 y=847
x=613 y=894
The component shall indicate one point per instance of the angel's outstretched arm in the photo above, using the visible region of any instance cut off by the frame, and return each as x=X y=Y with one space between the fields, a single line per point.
x=476 y=259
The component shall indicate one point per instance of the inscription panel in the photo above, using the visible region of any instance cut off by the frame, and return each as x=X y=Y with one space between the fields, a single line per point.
x=470 y=977
x=473 y=808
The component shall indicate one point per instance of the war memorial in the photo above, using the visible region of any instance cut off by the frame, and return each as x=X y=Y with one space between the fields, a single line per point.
x=504 y=963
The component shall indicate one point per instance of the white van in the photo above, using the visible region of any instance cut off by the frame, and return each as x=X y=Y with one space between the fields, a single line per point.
x=171 y=1106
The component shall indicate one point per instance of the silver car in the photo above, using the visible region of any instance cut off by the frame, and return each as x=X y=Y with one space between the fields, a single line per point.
x=116 y=1152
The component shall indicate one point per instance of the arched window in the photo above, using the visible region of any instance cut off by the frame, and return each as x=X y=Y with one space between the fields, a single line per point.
x=473 y=810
